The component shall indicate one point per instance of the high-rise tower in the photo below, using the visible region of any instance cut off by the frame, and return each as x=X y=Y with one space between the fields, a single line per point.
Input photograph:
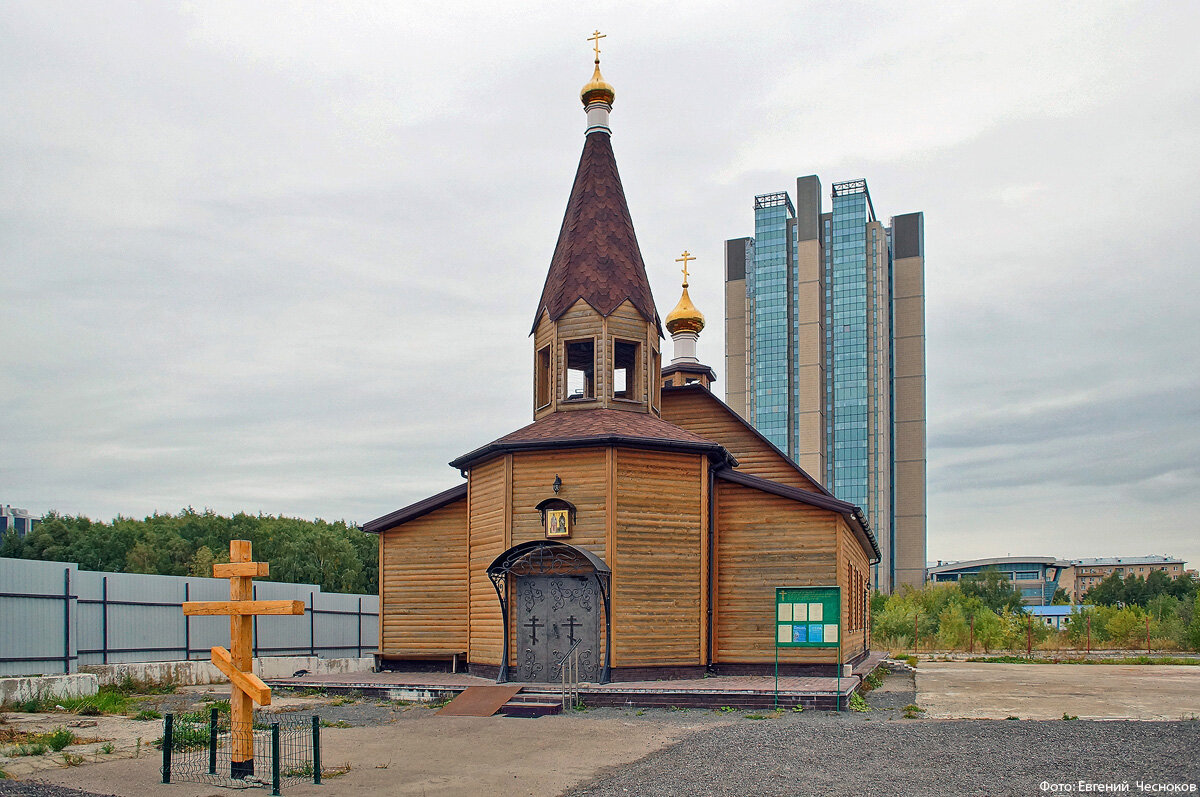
x=825 y=353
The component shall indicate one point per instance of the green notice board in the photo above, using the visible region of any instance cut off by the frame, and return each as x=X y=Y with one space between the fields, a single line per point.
x=808 y=617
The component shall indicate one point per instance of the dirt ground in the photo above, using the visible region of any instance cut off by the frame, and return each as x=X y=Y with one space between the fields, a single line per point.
x=980 y=690
x=392 y=748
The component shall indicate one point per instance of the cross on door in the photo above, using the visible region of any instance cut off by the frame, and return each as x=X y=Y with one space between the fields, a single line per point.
x=533 y=625
x=571 y=623
x=237 y=662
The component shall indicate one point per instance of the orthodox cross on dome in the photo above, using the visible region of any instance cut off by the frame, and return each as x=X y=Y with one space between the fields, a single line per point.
x=685 y=258
x=595 y=40
x=237 y=662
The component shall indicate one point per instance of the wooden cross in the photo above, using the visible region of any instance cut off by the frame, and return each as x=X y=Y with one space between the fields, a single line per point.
x=595 y=40
x=238 y=662
x=684 y=259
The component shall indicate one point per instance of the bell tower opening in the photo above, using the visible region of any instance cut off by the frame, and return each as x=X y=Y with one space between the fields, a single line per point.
x=626 y=368
x=581 y=370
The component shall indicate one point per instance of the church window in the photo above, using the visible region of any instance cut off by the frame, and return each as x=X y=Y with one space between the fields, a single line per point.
x=626 y=359
x=542 y=369
x=581 y=370
x=656 y=366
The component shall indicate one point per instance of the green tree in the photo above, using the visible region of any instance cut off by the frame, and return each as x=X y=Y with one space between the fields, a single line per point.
x=992 y=587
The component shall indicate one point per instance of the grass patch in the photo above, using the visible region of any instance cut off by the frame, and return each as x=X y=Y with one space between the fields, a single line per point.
x=185 y=737
x=147 y=714
x=1126 y=660
x=874 y=679
x=1068 y=717
x=858 y=703
x=726 y=709
x=107 y=748
x=913 y=712
x=3 y=775
x=72 y=760
x=58 y=738
x=1012 y=717
x=439 y=702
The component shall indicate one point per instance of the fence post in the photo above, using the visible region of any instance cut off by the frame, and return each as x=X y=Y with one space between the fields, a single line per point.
x=971 y=643
x=312 y=624
x=213 y=718
x=254 y=623
x=359 y=619
x=67 y=620
x=1089 y=635
x=274 y=758
x=187 y=624
x=104 y=620
x=1029 y=638
x=915 y=616
x=316 y=741
x=168 y=722
x=1147 y=635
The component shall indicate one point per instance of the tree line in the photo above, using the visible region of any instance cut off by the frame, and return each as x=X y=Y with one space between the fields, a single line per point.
x=984 y=612
x=337 y=556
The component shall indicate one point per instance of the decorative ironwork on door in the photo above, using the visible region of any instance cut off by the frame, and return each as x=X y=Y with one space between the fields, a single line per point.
x=553 y=612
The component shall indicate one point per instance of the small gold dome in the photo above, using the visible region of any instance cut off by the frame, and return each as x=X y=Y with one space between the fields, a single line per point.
x=685 y=317
x=597 y=90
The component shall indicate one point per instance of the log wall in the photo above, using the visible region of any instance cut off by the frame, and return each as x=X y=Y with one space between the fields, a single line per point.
x=658 y=579
x=765 y=541
x=423 y=607
x=702 y=414
x=488 y=518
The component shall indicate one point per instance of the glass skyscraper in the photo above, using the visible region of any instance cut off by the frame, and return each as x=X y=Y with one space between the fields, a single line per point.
x=825 y=354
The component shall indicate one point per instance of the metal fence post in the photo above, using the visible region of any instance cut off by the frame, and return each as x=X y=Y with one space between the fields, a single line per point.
x=187 y=625
x=213 y=719
x=104 y=620
x=275 y=758
x=359 y=619
x=316 y=751
x=312 y=624
x=168 y=721
x=67 y=620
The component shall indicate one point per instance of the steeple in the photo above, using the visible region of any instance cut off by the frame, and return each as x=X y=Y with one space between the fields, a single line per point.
x=597 y=257
x=596 y=330
x=685 y=323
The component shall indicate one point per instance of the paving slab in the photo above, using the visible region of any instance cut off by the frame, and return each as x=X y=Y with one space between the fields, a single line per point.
x=980 y=690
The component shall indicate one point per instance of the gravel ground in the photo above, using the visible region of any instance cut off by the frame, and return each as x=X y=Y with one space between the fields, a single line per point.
x=828 y=754
x=11 y=788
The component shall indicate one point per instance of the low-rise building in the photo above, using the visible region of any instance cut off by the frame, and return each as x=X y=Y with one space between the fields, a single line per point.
x=1055 y=616
x=1090 y=572
x=1035 y=577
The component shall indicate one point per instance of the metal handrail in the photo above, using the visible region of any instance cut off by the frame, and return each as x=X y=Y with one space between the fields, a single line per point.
x=569 y=668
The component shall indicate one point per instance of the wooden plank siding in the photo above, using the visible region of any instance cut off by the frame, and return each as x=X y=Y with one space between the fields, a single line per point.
x=766 y=541
x=699 y=413
x=487 y=524
x=657 y=583
x=584 y=475
x=852 y=560
x=424 y=567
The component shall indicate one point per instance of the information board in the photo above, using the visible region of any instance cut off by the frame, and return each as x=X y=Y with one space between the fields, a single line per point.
x=808 y=617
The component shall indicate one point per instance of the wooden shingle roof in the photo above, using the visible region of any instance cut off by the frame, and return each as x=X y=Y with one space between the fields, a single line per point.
x=597 y=257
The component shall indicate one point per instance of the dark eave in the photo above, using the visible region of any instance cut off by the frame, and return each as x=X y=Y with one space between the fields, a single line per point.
x=694 y=368
x=414 y=511
x=748 y=426
x=715 y=451
x=852 y=514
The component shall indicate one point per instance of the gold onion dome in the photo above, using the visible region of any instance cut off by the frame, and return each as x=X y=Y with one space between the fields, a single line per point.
x=597 y=90
x=685 y=317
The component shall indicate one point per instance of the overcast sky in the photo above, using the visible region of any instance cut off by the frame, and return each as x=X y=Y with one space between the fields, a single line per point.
x=284 y=257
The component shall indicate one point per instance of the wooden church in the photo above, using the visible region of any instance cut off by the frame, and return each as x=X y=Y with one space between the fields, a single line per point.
x=638 y=521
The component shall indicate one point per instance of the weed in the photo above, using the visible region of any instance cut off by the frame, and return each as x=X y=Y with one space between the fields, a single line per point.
x=107 y=748
x=36 y=748
x=3 y=775
x=1010 y=717
x=771 y=716
x=912 y=660
x=581 y=706
x=136 y=686
x=726 y=709
x=342 y=701
x=874 y=679
x=1067 y=716
x=185 y=737
x=640 y=712
x=439 y=702
x=334 y=772
x=147 y=714
x=797 y=708
x=857 y=703
x=58 y=738
x=72 y=760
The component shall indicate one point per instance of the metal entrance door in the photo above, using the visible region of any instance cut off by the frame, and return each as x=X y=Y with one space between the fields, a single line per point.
x=553 y=612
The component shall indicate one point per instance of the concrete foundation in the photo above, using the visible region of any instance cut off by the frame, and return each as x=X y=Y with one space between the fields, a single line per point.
x=20 y=690
x=189 y=673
